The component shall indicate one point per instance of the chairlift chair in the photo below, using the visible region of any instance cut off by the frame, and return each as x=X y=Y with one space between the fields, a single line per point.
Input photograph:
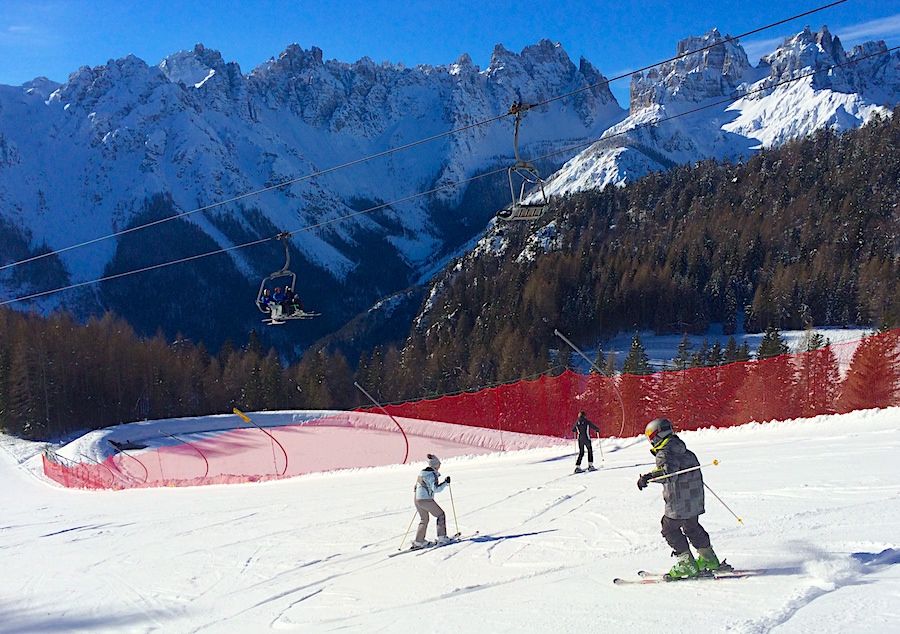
x=273 y=309
x=529 y=182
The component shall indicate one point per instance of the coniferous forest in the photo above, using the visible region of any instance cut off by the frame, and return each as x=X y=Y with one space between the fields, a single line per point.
x=806 y=234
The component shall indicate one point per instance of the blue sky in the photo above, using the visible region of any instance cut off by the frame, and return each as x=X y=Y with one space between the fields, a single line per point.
x=53 y=38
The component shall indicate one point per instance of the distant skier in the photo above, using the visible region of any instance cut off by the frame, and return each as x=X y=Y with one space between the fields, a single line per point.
x=427 y=484
x=582 y=428
x=684 y=498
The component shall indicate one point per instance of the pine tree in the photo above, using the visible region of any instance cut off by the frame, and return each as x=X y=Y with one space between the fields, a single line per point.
x=599 y=362
x=811 y=340
x=700 y=359
x=716 y=355
x=637 y=362
x=818 y=377
x=873 y=378
x=682 y=360
x=609 y=368
x=729 y=319
x=771 y=344
x=731 y=354
x=25 y=411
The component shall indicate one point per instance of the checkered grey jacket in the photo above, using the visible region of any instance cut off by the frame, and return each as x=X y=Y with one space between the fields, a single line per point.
x=683 y=493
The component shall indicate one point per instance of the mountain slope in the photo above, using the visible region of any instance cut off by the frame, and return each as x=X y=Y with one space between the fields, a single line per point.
x=806 y=233
x=85 y=159
x=817 y=499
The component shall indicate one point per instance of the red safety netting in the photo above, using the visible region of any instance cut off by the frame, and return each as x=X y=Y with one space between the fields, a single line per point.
x=835 y=379
x=215 y=451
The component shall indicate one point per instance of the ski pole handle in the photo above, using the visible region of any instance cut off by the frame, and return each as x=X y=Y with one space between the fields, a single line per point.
x=669 y=475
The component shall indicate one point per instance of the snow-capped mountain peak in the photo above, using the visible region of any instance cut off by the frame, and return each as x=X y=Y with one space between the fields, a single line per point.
x=734 y=108
x=192 y=68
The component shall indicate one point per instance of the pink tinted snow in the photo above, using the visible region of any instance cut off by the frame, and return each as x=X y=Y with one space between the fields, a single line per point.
x=177 y=453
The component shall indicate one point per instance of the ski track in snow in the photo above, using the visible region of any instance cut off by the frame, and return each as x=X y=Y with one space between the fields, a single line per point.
x=829 y=574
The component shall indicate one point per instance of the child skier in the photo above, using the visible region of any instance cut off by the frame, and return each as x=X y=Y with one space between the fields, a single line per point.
x=582 y=428
x=427 y=484
x=684 y=498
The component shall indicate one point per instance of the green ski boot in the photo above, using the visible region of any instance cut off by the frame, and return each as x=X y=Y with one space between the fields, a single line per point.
x=707 y=560
x=685 y=568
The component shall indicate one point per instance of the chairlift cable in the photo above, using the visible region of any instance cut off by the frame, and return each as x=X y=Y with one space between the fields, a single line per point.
x=251 y=243
x=257 y=192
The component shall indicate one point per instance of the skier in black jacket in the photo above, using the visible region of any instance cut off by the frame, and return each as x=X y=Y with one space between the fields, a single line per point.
x=582 y=428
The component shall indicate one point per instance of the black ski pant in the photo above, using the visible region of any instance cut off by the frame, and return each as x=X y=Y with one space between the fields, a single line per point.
x=678 y=532
x=584 y=443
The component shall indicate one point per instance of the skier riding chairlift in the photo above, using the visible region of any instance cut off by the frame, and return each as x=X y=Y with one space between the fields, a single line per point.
x=281 y=306
x=529 y=176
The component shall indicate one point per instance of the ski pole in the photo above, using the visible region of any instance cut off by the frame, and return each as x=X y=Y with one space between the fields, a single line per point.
x=453 y=506
x=600 y=445
x=408 y=528
x=669 y=475
x=723 y=503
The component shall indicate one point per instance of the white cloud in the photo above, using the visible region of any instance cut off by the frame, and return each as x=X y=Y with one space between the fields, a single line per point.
x=881 y=29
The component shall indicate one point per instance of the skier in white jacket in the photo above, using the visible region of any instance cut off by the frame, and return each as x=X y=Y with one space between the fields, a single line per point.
x=427 y=484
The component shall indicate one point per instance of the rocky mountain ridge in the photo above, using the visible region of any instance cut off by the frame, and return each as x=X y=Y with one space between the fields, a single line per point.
x=713 y=103
x=287 y=147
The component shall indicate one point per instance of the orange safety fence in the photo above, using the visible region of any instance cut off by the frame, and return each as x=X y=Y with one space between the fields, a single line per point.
x=836 y=379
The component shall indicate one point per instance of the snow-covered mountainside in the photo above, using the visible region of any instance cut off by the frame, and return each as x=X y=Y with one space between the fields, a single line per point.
x=124 y=144
x=712 y=103
x=79 y=161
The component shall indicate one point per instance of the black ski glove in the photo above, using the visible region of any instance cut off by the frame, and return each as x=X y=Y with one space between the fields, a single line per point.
x=447 y=480
x=643 y=481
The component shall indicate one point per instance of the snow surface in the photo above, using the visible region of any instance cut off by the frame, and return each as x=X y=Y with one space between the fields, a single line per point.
x=818 y=498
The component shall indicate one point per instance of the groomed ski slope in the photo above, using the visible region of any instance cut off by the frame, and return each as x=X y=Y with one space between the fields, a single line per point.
x=819 y=499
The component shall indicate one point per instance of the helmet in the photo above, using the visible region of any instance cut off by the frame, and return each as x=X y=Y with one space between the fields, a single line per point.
x=658 y=430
